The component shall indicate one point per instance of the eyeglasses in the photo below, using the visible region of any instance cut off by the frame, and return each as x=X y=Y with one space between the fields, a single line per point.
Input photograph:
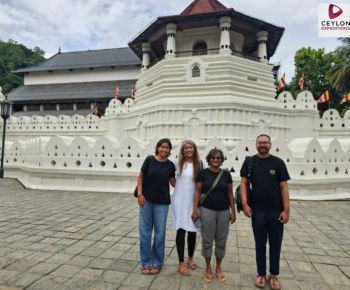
x=263 y=142
x=215 y=158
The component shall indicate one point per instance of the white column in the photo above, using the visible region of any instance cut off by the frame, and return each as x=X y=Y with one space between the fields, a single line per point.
x=146 y=48
x=171 y=43
x=75 y=107
x=261 y=38
x=92 y=106
x=58 y=107
x=225 y=42
x=41 y=108
x=25 y=108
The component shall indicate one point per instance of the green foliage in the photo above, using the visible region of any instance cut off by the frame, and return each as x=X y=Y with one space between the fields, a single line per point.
x=315 y=64
x=15 y=56
x=339 y=75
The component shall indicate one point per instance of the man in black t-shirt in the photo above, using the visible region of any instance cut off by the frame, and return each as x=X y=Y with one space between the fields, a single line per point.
x=268 y=207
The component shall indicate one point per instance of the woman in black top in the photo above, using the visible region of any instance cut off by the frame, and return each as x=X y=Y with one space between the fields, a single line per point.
x=154 y=199
x=214 y=211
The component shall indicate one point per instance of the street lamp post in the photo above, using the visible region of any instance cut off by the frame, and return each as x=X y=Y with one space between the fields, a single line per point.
x=5 y=112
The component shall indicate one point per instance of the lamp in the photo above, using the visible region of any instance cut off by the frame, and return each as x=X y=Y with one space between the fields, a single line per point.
x=5 y=112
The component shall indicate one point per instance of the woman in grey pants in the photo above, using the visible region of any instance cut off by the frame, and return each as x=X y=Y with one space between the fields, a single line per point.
x=216 y=211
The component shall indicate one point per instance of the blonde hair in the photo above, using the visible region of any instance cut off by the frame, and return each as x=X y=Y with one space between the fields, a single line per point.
x=195 y=159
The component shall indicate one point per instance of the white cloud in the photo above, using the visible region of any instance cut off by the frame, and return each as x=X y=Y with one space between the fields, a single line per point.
x=93 y=24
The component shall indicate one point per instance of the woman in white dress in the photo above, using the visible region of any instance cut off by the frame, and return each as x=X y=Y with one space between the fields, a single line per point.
x=188 y=168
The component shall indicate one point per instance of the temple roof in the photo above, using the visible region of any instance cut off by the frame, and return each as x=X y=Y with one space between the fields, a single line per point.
x=242 y=23
x=68 y=92
x=86 y=59
x=203 y=6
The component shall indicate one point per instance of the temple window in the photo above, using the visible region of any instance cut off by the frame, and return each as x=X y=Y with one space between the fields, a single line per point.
x=200 y=48
x=196 y=72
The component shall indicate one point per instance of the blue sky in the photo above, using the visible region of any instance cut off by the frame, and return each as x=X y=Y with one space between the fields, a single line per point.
x=95 y=24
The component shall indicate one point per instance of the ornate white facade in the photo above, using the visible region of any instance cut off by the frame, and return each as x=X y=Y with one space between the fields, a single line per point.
x=218 y=99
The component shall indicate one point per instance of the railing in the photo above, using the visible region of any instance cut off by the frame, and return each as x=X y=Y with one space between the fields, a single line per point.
x=206 y=52
x=245 y=55
x=197 y=52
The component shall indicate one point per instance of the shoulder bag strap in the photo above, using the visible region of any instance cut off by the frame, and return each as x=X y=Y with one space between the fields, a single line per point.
x=215 y=183
x=250 y=166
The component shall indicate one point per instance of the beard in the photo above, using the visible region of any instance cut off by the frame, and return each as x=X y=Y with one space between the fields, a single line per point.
x=263 y=150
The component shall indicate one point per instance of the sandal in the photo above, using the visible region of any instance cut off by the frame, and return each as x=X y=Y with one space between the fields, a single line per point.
x=221 y=277
x=154 y=270
x=260 y=282
x=192 y=265
x=274 y=284
x=207 y=277
x=183 y=270
x=145 y=270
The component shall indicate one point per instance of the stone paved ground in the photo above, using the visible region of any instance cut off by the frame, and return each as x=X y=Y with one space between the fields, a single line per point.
x=74 y=240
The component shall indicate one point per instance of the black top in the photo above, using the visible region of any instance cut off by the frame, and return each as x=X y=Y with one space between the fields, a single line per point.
x=156 y=180
x=267 y=173
x=218 y=199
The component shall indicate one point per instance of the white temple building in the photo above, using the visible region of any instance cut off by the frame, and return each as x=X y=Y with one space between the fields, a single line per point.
x=205 y=75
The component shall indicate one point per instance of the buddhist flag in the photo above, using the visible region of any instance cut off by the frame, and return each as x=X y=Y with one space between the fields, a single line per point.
x=117 y=93
x=345 y=99
x=133 y=91
x=324 y=98
x=282 y=82
x=301 y=82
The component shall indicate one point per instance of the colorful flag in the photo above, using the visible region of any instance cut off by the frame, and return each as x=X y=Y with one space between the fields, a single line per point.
x=301 y=82
x=282 y=82
x=117 y=93
x=133 y=91
x=324 y=98
x=345 y=99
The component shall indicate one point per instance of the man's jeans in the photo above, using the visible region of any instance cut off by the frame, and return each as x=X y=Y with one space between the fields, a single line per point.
x=266 y=225
x=152 y=216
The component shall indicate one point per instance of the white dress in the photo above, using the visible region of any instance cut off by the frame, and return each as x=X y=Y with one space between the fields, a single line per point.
x=182 y=203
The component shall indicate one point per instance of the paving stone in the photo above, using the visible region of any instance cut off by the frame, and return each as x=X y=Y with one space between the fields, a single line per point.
x=100 y=263
x=44 y=268
x=21 y=265
x=49 y=283
x=66 y=271
x=24 y=279
x=75 y=240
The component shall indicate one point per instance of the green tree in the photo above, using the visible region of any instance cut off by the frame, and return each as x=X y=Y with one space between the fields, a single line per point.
x=14 y=56
x=339 y=75
x=315 y=64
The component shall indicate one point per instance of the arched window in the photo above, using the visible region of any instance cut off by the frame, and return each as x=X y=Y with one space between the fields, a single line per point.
x=196 y=72
x=200 y=48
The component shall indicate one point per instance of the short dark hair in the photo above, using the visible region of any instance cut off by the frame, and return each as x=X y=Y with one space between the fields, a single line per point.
x=214 y=152
x=160 y=142
x=263 y=135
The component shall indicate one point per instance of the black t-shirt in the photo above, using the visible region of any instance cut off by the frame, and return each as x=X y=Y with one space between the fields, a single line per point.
x=267 y=174
x=156 y=180
x=218 y=199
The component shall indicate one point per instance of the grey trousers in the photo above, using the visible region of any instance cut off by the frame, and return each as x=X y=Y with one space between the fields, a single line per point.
x=215 y=227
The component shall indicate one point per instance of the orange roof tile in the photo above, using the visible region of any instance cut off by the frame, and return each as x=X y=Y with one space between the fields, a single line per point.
x=203 y=6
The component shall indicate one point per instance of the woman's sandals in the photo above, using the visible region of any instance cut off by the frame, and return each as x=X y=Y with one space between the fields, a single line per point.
x=146 y=270
x=182 y=269
x=208 y=277
x=192 y=265
x=221 y=277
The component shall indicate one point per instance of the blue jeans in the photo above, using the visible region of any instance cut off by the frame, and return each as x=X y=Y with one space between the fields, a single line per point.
x=152 y=216
x=266 y=225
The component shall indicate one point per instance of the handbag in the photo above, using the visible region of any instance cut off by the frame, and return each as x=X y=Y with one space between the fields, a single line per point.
x=146 y=168
x=238 y=197
x=203 y=196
